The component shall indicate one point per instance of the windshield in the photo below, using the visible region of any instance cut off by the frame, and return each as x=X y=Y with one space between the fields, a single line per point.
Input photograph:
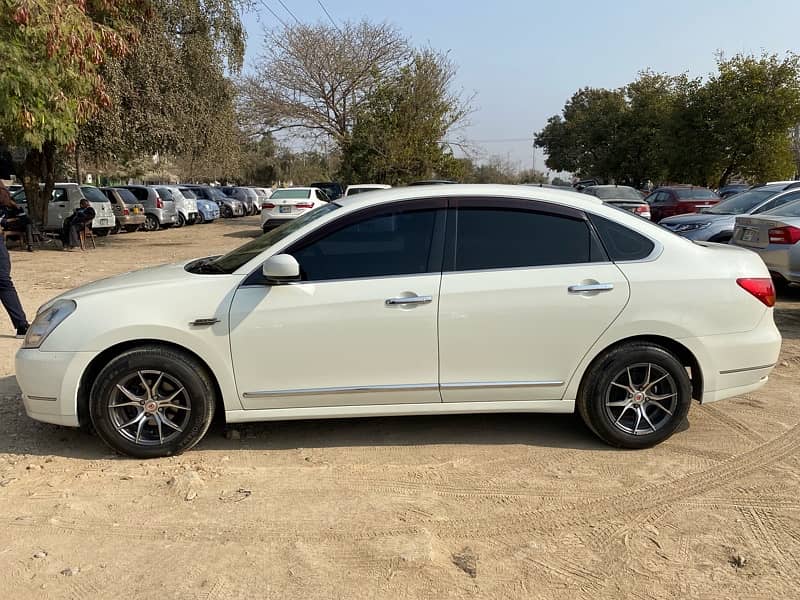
x=616 y=193
x=792 y=209
x=690 y=193
x=217 y=194
x=187 y=193
x=235 y=259
x=290 y=194
x=741 y=203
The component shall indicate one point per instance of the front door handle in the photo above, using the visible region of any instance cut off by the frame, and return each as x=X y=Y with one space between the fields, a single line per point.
x=590 y=287
x=409 y=300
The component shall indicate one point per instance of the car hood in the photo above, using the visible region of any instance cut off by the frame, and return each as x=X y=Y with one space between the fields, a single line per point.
x=692 y=218
x=151 y=276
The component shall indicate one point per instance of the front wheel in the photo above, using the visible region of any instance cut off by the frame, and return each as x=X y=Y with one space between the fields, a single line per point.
x=181 y=220
x=227 y=212
x=152 y=401
x=199 y=219
x=635 y=396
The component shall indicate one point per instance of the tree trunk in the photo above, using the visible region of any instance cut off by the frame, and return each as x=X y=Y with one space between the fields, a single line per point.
x=38 y=166
x=726 y=174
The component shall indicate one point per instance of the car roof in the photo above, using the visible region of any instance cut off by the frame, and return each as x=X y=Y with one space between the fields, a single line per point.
x=609 y=185
x=297 y=188
x=566 y=197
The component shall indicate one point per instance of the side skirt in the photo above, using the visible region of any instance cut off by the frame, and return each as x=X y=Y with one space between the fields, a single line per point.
x=396 y=410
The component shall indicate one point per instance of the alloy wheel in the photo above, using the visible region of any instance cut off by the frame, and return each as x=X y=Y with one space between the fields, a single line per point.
x=641 y=399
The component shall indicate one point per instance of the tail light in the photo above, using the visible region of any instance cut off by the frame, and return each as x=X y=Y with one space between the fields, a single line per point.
x=305 y=205
x=125 y=211
x=642 y=210
x=760 y=287
x=159 y=203
x=267 y=205
x=784 y=235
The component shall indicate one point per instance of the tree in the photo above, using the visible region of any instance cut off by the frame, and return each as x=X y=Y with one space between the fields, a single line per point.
x=51 y=52
x=316 y=78
x=400 y=128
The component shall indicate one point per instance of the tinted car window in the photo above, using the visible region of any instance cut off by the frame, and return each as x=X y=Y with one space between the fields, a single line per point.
x=92 y=194
x=788 y=210
x=614 y=193
x=127 y=196
x=690 y=193
x=187 y=193
x=778 y=202
x=394 y=243
x=741 y=203
x=164 y=193
x=290 y=194
x=499 y=238
x=620 y=242
x=140 y=193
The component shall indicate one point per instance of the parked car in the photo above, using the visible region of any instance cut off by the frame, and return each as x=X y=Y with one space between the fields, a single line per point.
x=207 y=211
x=128 y=212
x=584 y=183
x=732 y=189
x=332 y=190
x=621 y=196
x=186 y=207
x=66 y=198
x=669 y=201
x=464 y=299
x=775 y=236
x=286 y=204
x=228 y=207
x=247 y=196
x=716 y=224
x=159 y=210
x=14 y=187
x=352 y=190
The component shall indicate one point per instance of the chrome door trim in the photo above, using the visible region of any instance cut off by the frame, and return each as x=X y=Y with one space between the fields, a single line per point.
x=590 y=287
x=358 y=389
x=744 y=370
x=409 y=300
x=485 y=385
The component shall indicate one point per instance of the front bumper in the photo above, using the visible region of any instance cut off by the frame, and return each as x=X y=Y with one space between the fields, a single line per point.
x=49 y=382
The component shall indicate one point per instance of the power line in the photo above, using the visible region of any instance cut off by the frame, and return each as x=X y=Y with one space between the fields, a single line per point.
x=286 y=8
x=322 y=6
x=273 y=13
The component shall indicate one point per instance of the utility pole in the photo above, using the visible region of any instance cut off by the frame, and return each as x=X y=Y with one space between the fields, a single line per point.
x=533 y=161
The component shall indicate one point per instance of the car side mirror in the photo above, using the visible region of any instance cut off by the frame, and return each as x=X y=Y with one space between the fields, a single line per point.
x=281 y=269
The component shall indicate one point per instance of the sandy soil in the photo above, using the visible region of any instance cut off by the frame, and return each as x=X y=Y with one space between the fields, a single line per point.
x=452 y=507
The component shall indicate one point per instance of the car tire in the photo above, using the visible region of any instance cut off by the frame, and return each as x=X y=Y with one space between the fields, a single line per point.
x=132 y=228
x=102 y=231
x=152 y=401
x=635 y=395
x=151 y=223
x=181 y=220
x=199 y=219
x=227 y=212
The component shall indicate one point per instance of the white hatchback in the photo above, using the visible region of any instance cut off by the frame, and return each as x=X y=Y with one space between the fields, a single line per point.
x=424 y=300
x=285 y=204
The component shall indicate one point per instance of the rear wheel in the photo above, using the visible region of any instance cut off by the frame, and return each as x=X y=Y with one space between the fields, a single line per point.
x=227 y=212
x=152 y=401
x=199 y=219
x=102 y=231
x=635 y=396
x=150 y=223
x=181 y=220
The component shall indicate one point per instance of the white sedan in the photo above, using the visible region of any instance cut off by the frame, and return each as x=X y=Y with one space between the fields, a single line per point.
x=424 y=300
x=286 y=204
x=352 y=190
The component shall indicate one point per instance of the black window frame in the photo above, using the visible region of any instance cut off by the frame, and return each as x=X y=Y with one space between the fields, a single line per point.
x=435 y=257
x=518 y=204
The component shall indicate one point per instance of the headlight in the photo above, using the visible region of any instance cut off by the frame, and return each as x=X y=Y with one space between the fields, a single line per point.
x=46 y=321
x=690 y=227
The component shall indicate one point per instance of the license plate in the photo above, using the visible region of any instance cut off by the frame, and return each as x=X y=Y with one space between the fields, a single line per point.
x=286 y=209
x=749 y=235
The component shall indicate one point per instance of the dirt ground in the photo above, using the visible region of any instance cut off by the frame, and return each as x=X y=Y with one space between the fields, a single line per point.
x=501 y=506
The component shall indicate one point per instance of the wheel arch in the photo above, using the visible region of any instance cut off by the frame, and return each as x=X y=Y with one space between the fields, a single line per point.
x=681 y=352
x=101 y=360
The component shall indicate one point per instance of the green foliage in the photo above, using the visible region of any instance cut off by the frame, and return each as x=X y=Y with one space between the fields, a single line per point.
x=399 y=131
x=667 y=128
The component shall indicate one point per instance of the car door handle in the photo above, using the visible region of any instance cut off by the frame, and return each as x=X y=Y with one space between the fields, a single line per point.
x=409 y=300
x=590 y=287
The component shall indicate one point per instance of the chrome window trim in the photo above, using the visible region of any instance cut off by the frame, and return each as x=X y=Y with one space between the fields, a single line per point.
x=538 y=267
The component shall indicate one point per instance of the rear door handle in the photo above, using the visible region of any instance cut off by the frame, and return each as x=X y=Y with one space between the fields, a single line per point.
x=590 y=287
x=409 y=300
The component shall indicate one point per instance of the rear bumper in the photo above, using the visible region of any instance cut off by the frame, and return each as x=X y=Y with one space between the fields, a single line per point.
x=736 y=363
x=127 y=220
x=783 y=260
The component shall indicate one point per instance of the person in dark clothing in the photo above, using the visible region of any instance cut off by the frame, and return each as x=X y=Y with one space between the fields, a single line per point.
x=8 y=293
x=70 y=234
x=13 y=218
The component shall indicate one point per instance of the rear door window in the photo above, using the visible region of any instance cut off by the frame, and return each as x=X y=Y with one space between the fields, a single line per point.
x=621 y=243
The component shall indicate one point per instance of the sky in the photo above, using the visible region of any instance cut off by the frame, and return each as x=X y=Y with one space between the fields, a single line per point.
x=522 y=59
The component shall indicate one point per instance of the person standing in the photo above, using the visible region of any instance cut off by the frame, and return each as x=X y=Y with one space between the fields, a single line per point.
x=13 y=218
x=8 y=293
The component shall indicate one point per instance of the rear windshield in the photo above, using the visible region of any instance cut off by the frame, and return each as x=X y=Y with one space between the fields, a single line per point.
x=126 y=196
x=92 y=194
x=290 y=194
x=741 y=203
x=787 y=210
x=187 y=193
x=616 y=193
x=690 y=193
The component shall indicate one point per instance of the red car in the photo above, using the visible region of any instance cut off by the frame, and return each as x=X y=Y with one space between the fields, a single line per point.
x=677 y=200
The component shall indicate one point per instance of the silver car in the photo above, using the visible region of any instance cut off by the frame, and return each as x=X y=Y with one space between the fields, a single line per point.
x=716 y=224
x=159 y=212
x=247 y=196
x=775 y=236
